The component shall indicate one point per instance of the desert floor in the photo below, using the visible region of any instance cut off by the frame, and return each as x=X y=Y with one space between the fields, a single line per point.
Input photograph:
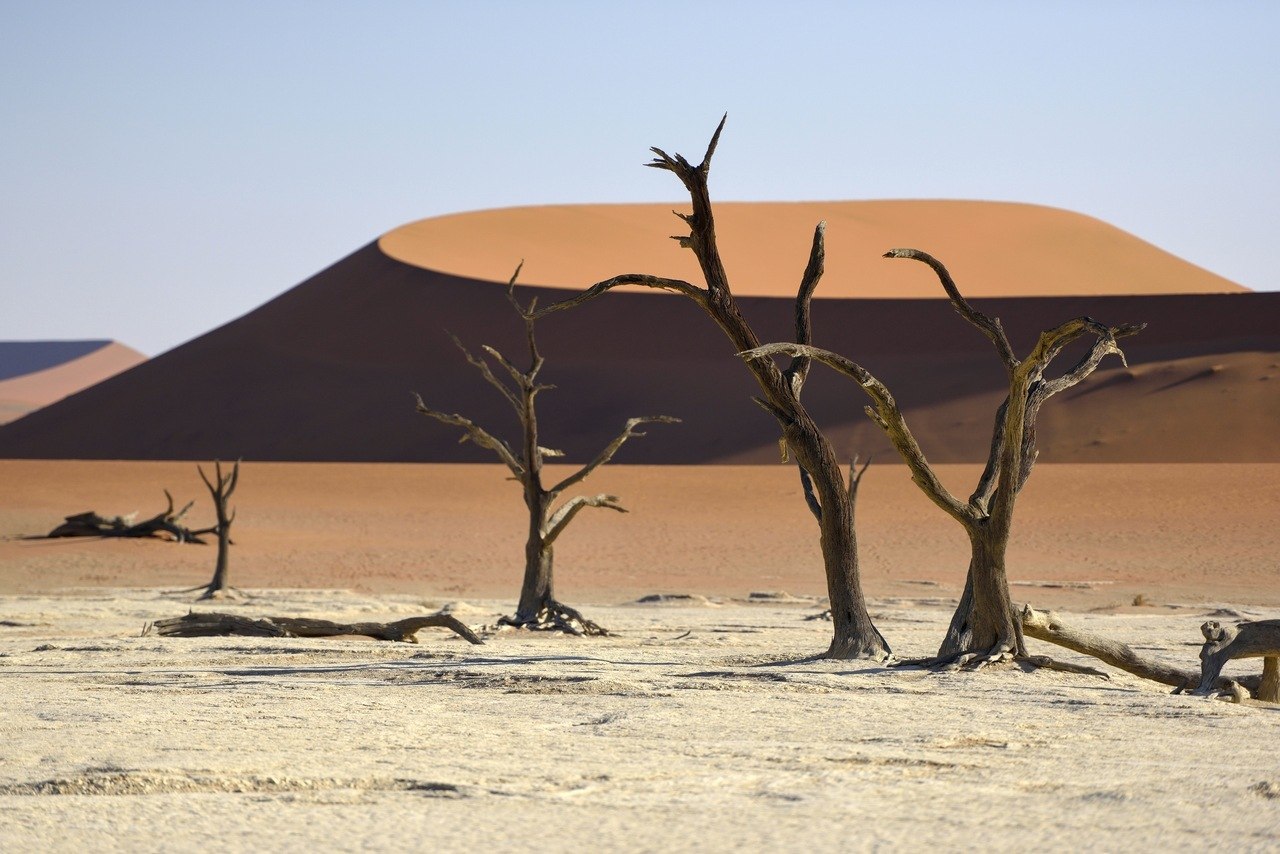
x=695 y=727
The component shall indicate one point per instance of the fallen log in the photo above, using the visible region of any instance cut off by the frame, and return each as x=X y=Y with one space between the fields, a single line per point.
x=214 y=624
x=1048 y=626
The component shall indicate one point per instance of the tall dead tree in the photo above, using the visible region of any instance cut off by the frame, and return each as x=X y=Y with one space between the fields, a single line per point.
x=855 y=636
x=220 y=492
x=538 y=608
x=985 y=628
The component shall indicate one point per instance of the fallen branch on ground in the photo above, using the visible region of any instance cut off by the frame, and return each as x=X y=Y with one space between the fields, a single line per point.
x=213 y=624
x=1048 y=626
x=167 y=524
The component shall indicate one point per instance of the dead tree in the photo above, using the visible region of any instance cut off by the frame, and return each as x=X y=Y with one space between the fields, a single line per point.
x=164 y=525
x=986 y=627
x=538 y=607
x=212 y=624
x=828 y=496
x=221 y=494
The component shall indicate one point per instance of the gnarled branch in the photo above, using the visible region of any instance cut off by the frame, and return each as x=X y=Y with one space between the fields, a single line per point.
x=475 y=433
x=561 y=518
x=612 y=448
x=988 y=326
x=884 y=413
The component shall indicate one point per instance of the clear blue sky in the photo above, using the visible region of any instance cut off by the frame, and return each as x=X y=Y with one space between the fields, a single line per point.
x=167 y=166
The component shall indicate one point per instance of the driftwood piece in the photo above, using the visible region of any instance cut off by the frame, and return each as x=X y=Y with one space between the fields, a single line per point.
x=1048 y=626
x=1259 y=639
x=214 y=624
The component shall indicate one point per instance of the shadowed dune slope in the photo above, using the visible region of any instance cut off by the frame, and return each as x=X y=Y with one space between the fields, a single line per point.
x=325 y=372
x=992 y=248
x=36 y=373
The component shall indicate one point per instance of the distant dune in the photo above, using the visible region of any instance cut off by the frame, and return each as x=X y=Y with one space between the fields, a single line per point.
x=994 y=248
x=36 y=373
x=325 y=371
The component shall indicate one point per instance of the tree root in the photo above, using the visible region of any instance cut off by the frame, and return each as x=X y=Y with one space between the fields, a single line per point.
x=212 y=624
x=556 y=617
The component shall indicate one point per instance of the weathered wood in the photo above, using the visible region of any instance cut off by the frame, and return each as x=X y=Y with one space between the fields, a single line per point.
x=854 y=633
x=985 y=628
x=164 y=525
x=538 y=607
x=213 y=624
x=1258 y=639
x=1048 y=626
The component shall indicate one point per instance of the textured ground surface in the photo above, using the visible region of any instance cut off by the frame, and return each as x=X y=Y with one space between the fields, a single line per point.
x=682 y=733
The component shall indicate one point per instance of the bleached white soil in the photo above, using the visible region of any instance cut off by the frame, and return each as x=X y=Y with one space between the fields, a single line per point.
x=689 y=730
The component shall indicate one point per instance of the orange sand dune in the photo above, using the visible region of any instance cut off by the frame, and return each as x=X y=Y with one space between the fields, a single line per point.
x=992 y=248
x=326 y=370
x=26 y=392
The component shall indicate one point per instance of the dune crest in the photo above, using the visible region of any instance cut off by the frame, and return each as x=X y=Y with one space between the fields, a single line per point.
x=992 y=248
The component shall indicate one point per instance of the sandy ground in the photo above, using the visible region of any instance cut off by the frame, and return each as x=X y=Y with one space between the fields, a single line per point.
x=1086 y=536
x=687 y=731
x=694 y=728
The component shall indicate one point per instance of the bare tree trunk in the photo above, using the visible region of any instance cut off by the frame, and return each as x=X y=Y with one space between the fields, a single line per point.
x=537 y=593
x=854 y=634
x=986 y=617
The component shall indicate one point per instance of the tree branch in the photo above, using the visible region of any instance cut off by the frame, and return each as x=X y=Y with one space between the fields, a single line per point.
x=988 y=326
x=612 y=448
x=798 y=371
x=485 y=371
x=476 y=434
x=560 y=519
x=886 y=414
x=657 y=282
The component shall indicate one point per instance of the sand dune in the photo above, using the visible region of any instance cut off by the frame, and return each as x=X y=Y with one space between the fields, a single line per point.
x=325 y=371
x=36 y=375
x=993 y=248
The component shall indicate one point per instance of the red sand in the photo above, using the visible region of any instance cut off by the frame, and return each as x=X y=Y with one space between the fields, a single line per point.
x=27 y=392
x=1085 y=536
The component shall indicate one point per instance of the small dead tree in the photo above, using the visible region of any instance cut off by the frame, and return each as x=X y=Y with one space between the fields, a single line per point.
x=538 y=607
x=826 y=492
x=986 y=628
x=220 y=492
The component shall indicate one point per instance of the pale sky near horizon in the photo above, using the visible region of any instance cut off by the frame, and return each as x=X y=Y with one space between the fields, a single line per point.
x=169 y=166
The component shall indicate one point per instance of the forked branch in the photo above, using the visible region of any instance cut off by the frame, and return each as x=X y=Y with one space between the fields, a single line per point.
x=886 y=414
x=561 y=518
x=628 y=431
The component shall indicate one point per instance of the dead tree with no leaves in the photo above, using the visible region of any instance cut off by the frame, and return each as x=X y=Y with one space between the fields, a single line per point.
x=218 y=587
x=538 y=607
x=828 y=496
x=986 y=628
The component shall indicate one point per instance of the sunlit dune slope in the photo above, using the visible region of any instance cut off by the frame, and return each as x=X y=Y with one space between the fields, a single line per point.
x=37 y=373
x=992 y=248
